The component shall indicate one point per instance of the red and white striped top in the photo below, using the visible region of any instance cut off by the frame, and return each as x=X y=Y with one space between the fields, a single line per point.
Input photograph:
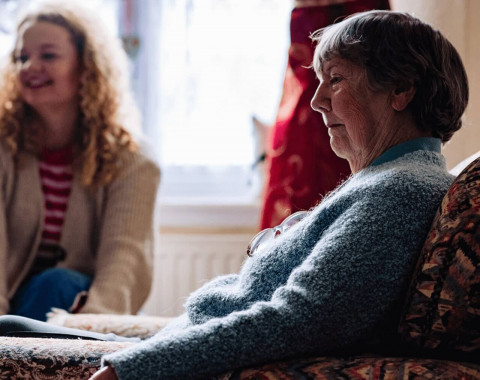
x=56 y=179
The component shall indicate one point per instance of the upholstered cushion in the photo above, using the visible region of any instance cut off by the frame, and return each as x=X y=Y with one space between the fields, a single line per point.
x=358 y=368
x=52 y=359
x=442 y=312
x=140 y=326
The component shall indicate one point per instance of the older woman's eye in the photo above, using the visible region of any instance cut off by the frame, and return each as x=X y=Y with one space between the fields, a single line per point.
x=335 y=79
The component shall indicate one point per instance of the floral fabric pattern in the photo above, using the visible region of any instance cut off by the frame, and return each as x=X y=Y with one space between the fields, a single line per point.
x=52 y=359
x=443 y=309
x=359 y=368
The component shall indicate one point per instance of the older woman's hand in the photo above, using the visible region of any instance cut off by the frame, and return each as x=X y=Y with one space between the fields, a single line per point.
x=106 y=373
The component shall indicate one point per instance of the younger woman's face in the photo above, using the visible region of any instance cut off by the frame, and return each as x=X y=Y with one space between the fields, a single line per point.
x=47 y=66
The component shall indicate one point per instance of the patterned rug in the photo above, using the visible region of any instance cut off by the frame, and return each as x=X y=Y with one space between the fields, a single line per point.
x=52 y=359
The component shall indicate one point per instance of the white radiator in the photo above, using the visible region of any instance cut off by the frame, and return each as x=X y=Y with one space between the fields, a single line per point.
x=184 y=261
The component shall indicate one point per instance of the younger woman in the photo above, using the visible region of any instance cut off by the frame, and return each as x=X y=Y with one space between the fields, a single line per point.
x=77 y=190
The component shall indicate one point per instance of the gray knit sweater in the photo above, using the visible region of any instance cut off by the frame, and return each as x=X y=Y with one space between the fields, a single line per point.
x=327 y=283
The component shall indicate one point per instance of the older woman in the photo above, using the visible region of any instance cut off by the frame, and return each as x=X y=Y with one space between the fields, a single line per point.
x=391 y=90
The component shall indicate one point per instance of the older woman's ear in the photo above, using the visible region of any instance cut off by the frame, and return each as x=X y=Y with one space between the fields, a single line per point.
x=402 y=97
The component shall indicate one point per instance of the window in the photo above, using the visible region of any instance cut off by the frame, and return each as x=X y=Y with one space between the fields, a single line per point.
x=202 y=70
x=205 y=68
x=221 y=62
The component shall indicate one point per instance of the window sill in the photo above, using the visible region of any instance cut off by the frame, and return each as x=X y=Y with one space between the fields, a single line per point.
x=208 y=215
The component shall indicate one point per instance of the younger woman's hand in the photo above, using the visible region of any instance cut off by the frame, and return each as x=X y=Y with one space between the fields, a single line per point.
x=106 y=373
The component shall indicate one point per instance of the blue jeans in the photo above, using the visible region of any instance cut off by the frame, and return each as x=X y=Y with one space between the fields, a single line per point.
x=54 y=287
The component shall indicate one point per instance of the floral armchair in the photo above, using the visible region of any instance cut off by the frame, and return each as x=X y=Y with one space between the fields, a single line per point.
x=439 y=326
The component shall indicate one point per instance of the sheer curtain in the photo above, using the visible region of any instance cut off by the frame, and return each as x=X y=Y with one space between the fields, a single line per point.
x=202 y=70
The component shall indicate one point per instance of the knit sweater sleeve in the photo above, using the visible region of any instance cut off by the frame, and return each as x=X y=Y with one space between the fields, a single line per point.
x=123 y=268
x=346 y=286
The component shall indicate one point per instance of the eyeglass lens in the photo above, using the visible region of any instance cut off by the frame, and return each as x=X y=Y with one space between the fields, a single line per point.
x=269 y=233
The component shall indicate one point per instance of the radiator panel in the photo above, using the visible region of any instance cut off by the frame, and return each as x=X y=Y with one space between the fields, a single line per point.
x=185 y=261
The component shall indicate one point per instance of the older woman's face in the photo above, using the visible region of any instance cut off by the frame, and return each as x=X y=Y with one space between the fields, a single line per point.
x=356 y=116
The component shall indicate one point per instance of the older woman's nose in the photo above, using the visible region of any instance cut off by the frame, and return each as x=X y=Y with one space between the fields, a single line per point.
x=320 y=101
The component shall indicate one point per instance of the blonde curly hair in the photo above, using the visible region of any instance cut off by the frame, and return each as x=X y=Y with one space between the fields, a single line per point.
x=108 y=114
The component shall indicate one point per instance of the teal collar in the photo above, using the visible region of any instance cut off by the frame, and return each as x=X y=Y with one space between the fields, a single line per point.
x=424 y=143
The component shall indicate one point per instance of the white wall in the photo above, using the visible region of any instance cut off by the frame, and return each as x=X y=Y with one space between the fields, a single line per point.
x=458 y=21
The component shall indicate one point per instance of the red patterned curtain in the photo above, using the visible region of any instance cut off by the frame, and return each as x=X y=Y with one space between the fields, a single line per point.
x=301 y=167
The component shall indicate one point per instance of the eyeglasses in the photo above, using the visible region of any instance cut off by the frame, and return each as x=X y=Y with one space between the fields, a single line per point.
x=271 y=233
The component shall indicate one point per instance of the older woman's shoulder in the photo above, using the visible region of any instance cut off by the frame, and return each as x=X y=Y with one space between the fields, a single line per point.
x=422 y=164
x=420 y=171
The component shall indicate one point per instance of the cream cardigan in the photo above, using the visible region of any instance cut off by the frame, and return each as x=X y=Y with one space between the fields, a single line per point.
x=107 y=232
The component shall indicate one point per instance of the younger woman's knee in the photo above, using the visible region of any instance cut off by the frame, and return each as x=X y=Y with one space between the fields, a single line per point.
x=63 y=278
x=56 y=274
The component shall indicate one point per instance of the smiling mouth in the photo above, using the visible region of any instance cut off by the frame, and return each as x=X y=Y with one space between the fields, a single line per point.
x=333 y=125
x=37 y=85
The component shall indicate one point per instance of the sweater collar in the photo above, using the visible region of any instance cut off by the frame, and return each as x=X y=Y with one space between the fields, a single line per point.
x=62 y=156
x=423 y=143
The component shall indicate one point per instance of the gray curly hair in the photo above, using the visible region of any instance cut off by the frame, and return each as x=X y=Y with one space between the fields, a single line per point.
x=398 y=50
